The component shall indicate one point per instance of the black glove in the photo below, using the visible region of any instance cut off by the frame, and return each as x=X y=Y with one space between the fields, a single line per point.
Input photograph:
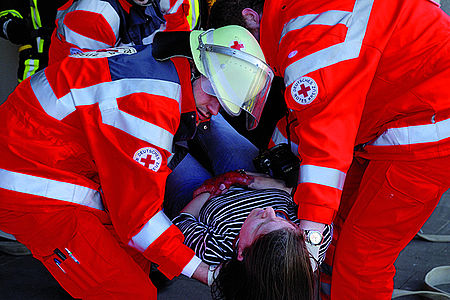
x=17 y=30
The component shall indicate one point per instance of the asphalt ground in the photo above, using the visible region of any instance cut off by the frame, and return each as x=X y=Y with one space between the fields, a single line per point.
x=23 y=277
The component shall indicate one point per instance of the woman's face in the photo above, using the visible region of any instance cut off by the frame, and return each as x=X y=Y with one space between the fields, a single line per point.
x=260 y=221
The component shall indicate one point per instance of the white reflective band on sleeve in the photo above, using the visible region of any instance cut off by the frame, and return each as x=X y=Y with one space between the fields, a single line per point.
x=330 y=18
x=106 y=94
x=175 y=7
x=349 y=49
x=279 y=138
x=54 y=107
x=49 y=188
x=322 y=175
x=190 y=268
x=84 y=42
x=152 y=230
x=99 y=7
x=414 y=134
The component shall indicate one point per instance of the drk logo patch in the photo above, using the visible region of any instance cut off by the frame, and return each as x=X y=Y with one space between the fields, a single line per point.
x=149 y=157
x=304 y=90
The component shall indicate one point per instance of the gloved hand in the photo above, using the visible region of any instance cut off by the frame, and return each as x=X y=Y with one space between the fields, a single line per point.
x=16 y=30
x=220 y=184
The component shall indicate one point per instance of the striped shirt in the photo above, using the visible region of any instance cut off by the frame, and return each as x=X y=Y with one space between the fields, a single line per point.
x=220 y=219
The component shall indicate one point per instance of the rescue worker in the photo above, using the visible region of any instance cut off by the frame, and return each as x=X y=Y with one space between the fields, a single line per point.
x=29 y=24
x=83 y=25
x=86 y=148
x=366 y=81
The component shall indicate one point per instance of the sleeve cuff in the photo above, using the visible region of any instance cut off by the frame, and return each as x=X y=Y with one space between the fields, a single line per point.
x=190 y=268
x=316 y=213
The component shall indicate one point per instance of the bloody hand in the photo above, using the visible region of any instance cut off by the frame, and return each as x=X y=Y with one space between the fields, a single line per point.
x=220 y=184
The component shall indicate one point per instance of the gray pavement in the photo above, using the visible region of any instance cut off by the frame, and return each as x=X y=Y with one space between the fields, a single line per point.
x=23 y=277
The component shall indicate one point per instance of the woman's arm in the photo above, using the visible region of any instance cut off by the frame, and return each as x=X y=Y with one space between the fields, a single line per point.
x=193 y=207
x=258 y=182
x=209 y=242
x=264 y=181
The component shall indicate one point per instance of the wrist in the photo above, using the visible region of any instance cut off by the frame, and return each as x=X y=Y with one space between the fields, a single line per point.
x=201 y=273
x=311 y=225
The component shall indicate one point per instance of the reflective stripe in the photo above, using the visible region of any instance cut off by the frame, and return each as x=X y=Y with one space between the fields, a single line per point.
x=166 y=7
x=152 y=230
x=35 y=17
x=349 y=49
x=322 y=175
x=175 y=7
x=15 y=13
x=49 y=188
x=82 y=41
x=106 y=95
x=329 y=18
x=40 y=44
x=98 y=7
x=414 y=134
x=194 y=12
x=278 y=138
x=31 y=66
x=111 y=115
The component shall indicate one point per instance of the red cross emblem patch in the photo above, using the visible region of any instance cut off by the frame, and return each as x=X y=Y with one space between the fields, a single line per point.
x=304 y=90
x=236 y=45
x=148 y=157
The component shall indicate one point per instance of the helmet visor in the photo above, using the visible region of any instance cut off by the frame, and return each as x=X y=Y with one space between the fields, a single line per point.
x=239 y=80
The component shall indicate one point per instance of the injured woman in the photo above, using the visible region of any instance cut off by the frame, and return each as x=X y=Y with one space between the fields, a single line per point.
x=250 y=238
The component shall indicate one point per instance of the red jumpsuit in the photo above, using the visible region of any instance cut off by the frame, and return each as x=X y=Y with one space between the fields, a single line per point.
x=84 y=25
x=84 y=150
x=366 y=79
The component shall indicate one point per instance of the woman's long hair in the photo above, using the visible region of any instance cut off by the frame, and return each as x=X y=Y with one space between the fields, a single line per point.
x=275 y=266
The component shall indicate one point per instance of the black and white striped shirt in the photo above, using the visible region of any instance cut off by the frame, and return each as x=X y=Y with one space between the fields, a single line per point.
x=211 y=236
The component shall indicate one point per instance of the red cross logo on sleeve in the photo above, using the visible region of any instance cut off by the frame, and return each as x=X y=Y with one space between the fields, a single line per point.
x=149 y=157
x=236 y=45
x=148 y=161
x=304 y=90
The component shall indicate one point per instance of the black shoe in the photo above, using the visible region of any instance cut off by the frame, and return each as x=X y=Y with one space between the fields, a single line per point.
x=12 y=247
x=158 y=278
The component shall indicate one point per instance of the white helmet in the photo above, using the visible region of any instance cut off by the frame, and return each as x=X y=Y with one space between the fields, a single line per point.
x=234 y=64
